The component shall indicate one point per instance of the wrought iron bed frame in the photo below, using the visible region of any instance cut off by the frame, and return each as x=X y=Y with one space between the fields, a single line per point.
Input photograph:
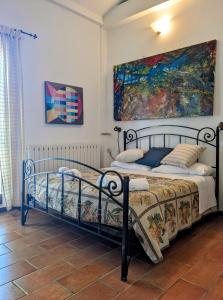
x=115 y=235
x=205 y=135
x=121 y=236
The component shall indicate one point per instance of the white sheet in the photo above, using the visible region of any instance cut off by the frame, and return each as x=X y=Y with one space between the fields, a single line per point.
x=206 y=185
x=129 y=166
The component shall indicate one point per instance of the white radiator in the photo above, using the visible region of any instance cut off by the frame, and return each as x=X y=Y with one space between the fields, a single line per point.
x=88 y=153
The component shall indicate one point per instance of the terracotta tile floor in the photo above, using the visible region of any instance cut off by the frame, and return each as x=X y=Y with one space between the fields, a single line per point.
x=48 y=259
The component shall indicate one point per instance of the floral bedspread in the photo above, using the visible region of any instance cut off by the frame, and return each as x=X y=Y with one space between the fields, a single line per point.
x=156 y=215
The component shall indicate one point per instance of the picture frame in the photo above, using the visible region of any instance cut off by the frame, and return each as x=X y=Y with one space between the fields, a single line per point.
x=63 y=104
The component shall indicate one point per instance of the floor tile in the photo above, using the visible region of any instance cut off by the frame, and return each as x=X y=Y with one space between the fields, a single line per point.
x=113 y=257
x=137 y=269
x=141 y=291
x=204 y=273
x=8 y=259
x=212 y=231
x=179 y=244
x=182 y=290
x=98 y=249
x=29 y=252
x=28 y=229
x=10 y=292
x=33 y=239
x=39 y=278
x=96 y=291
x=15 y=271
x=113 y=280
x=97 y=269
x=18 y=245
x=38 y=237
x=4 y=230
x=71 y=264
x=4 y=250
x=11 y=236
x=87 y=255
x=85 y=241
x=190 y=253
x=82 y=277
x=77 y=280
x=56 y=230
x=216 y=252
x=79 y=260
x=53 y=256
x=49 y=292
x=58 y=240
x=166 y=273
x=216 y=292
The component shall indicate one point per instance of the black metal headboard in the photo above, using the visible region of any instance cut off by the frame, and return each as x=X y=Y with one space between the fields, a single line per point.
x=206 y=135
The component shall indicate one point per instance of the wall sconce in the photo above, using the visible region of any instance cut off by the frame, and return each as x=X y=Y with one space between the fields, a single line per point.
x=161 y=26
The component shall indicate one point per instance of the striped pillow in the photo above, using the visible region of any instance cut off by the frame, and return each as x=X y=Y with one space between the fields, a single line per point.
x=184 y=155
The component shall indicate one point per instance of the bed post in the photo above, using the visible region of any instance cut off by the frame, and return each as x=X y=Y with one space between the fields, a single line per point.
x=218 y=129
x=124 y=139
x=125 y=232
x=23 y=211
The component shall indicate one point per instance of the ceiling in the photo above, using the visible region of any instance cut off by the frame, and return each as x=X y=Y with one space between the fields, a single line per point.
x=99 y=7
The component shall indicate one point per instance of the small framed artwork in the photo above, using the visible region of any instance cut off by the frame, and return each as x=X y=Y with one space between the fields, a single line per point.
x=63 y=104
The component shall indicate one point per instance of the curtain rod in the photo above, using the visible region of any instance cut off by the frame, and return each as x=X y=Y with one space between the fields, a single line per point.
x=33 y=35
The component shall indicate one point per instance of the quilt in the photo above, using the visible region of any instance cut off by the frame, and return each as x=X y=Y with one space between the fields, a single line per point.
x=156 y=215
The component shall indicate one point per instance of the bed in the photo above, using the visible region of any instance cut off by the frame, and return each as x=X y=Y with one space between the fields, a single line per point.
x=172 y=203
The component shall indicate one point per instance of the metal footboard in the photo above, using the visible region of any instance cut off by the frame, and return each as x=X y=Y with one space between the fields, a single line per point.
x=29 y=201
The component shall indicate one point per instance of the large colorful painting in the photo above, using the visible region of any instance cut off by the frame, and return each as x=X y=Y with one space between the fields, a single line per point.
x=179 y=83
x=64 y=104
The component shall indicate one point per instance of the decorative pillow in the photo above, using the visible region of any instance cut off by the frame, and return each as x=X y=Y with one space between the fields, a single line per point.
x=130 y=155
x=184 y=155
x=153 y=157
x=195 y=169
x=130 y=166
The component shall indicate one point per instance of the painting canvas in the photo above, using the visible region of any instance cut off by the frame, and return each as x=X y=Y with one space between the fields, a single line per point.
x=64 y=104
x=179 y=83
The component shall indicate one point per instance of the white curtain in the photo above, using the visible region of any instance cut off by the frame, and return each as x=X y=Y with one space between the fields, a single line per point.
x=11 y=108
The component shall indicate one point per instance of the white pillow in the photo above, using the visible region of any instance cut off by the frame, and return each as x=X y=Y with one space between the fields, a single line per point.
x=196 y=169
x=130 y=166
x=130 y=155
x=201 y=169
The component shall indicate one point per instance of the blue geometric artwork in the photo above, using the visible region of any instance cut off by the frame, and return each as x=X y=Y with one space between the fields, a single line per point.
x=64 y=104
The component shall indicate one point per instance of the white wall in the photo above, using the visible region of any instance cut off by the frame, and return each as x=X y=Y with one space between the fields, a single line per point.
x=193 y=21
x=67 y=51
